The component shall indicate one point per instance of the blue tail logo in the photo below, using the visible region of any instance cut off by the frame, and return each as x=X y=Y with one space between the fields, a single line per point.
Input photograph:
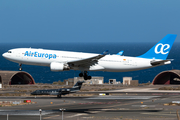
x=161 y=49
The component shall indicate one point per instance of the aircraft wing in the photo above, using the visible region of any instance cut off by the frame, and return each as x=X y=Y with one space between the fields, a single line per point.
x=154 y=63
x=88 y=61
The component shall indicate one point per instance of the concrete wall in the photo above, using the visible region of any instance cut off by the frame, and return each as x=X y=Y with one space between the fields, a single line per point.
x=134 y=82
x=112 y=81
x=127 y=80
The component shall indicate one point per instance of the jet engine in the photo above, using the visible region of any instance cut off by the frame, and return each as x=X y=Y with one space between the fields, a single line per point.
x=55 y=66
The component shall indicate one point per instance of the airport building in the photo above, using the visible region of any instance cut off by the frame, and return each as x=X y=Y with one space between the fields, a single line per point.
x=24 y=78
x=94 y=80
x=167 y=78
x=113 y=81
x=15 y=78
x=129 y=81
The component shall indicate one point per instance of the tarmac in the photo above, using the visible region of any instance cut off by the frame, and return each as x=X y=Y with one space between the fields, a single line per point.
x=120 y=106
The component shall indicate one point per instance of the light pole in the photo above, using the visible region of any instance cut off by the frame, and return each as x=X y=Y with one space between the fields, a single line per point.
x=40 y=113
x=62 y=109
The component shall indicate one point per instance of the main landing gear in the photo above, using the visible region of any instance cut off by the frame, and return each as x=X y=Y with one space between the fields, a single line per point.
x=20 y=67
x=59 y=96
x=85 y=74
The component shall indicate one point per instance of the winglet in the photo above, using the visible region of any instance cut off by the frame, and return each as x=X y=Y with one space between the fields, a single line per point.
x=105 y=52
x=120 y=53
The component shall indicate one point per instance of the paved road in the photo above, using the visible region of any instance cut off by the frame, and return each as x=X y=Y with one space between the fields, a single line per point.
x=141 y=107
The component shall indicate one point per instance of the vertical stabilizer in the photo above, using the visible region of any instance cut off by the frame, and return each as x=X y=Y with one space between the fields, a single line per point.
x=161 y=49
x=78 y=85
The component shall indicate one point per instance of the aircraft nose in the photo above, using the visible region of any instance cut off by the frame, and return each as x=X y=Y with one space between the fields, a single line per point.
x=4 y=55
x=33 y=93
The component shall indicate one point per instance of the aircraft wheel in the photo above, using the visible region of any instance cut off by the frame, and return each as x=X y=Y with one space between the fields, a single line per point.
x=59 y=96
x=89 y=77
x=20 y=68
x=85 y=77
x=80 y=74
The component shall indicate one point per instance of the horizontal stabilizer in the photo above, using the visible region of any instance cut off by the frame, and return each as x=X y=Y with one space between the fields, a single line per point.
x=154 y=62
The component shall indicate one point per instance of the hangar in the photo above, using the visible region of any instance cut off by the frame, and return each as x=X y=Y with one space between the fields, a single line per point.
x=167 y=78
x=15 y=78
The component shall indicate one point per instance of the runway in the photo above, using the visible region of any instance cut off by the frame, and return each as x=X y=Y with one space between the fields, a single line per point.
x=122 y=97
x=120 y=107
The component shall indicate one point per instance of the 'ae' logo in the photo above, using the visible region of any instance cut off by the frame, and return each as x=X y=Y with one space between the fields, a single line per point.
x=162 y=49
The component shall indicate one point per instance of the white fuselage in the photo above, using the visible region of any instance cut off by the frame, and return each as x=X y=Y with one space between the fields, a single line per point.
x=42 y=57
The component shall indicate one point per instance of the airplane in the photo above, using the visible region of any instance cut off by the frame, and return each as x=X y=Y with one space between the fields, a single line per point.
x=59 y=92
x=84 y=62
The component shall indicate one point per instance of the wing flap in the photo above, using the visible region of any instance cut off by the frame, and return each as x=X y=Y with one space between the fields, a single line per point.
x=88 y=61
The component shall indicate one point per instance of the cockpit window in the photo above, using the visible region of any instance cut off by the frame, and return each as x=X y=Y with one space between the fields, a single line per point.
x=9 y=51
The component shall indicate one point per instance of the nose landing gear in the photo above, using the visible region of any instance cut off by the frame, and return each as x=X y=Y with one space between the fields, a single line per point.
x=85 y=74
x=20 y=67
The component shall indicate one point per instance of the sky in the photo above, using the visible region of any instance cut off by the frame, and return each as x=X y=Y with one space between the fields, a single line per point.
x=58 y=21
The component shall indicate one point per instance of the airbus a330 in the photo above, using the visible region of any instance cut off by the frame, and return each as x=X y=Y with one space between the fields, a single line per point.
x=84 y=62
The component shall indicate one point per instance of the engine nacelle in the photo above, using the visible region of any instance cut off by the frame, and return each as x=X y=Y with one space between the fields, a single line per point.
x=55 y=66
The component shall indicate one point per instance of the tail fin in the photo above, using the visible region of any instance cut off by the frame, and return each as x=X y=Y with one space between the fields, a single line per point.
x=161 y=49
x=78 y=84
